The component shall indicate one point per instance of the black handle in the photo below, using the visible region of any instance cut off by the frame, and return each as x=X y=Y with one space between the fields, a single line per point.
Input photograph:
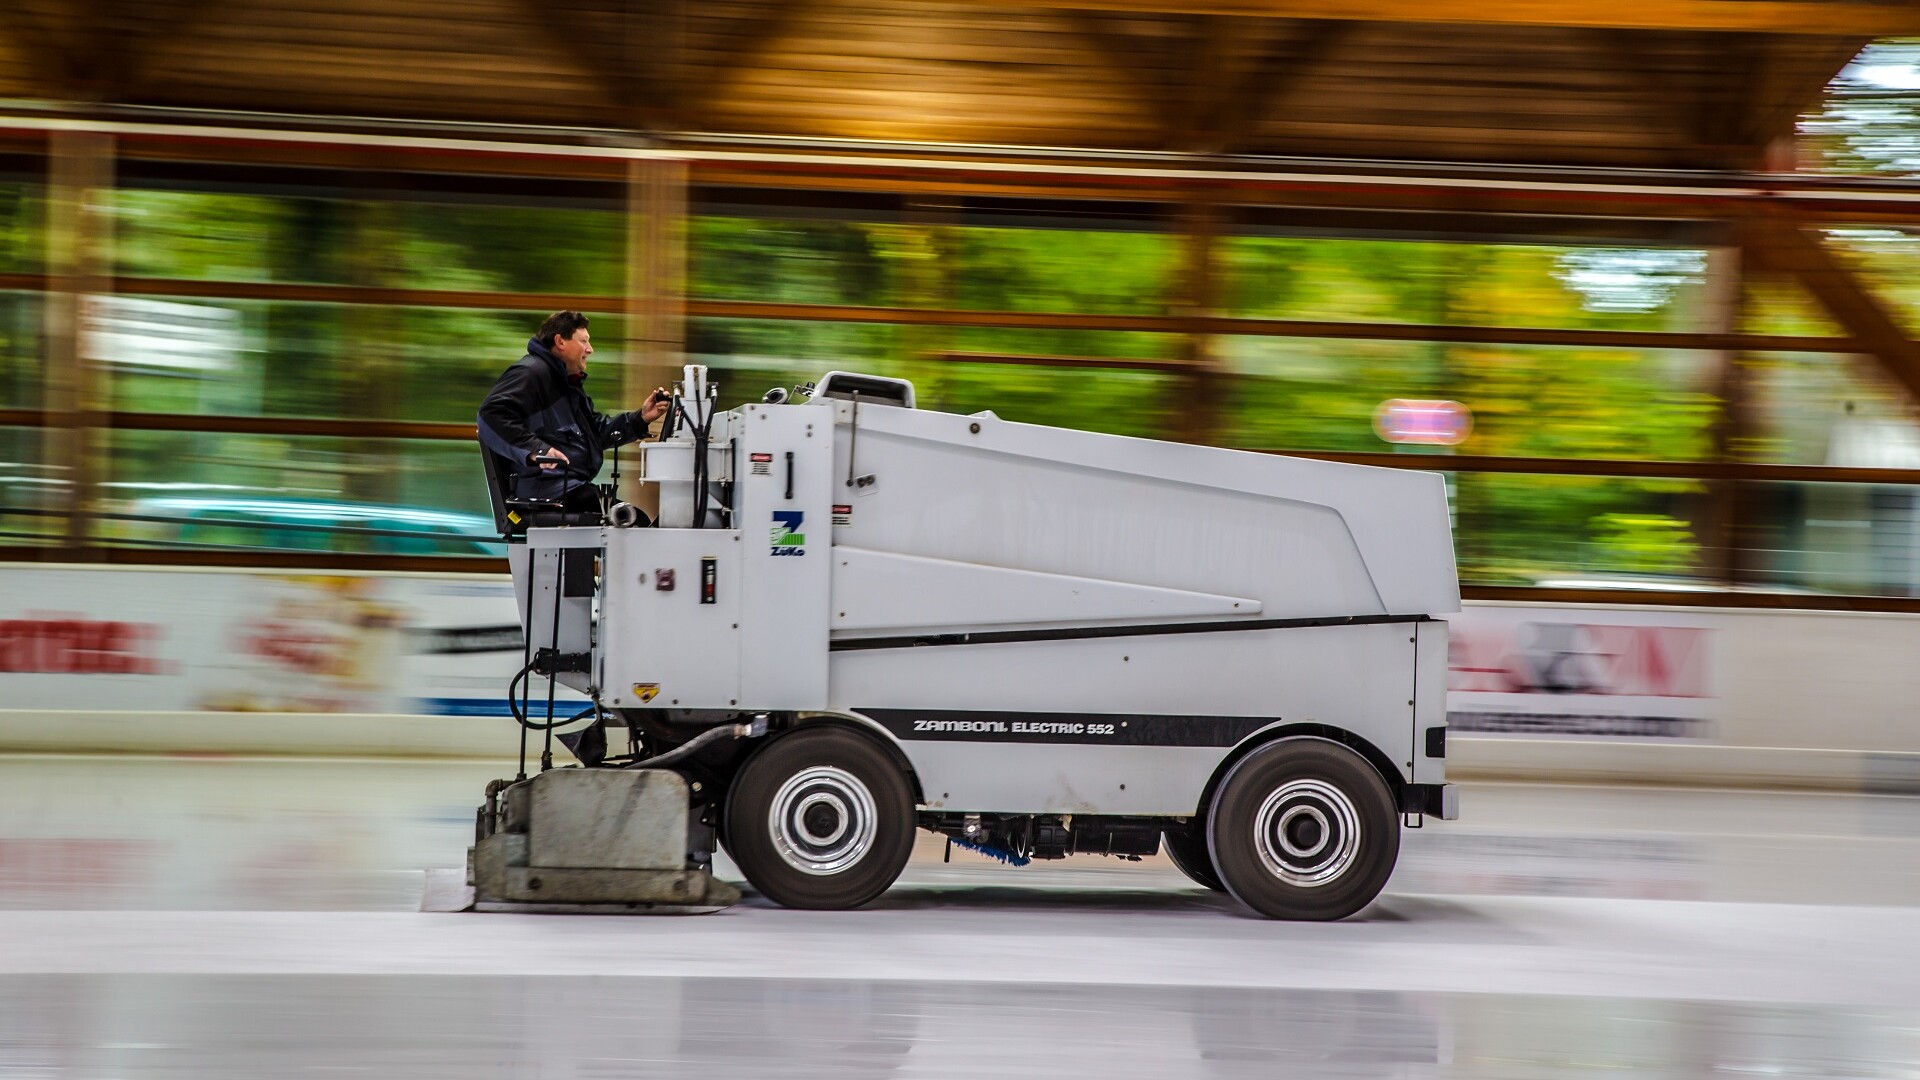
x=789 y=476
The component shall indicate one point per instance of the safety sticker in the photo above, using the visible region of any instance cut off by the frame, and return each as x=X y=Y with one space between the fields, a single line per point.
x=842 y=514
x=646 y=691
x=762 y=464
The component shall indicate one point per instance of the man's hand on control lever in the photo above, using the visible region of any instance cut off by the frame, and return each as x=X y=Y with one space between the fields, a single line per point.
x=551 y=459
x=656 y=405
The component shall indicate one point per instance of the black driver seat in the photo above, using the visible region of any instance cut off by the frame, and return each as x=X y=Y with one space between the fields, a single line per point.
x=514 y=516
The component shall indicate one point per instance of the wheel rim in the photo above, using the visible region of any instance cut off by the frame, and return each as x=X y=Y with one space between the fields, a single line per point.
x=823 y=820
x=1307 y=833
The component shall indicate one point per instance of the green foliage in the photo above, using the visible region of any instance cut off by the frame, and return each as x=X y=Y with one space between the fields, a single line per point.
x=20 y=235
x=1644 y=544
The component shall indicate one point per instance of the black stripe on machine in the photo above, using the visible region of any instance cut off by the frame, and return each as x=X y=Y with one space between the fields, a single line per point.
x=1099 y=729
x=1074 y=633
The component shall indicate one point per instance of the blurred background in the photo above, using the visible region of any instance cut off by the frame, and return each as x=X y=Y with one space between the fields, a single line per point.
x=259 y=263
x=1639 y=279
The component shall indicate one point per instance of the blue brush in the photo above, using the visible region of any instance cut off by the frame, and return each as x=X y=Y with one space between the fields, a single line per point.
x=992 y=851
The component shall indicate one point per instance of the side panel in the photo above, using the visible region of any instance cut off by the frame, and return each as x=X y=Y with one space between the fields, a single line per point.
x=557 y=612
x=662 y=648
x=787 y=563
x=983 y=724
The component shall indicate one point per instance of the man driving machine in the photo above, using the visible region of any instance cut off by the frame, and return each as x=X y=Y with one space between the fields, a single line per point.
x=540 y=419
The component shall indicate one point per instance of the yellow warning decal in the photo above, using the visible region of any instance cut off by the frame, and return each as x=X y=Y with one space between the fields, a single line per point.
x=646 y=691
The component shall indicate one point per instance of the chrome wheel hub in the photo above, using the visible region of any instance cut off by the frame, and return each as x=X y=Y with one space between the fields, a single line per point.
x=1307 y=833
x=823 y=820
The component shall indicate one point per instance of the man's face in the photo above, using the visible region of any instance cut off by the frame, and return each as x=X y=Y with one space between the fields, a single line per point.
x=573 y=351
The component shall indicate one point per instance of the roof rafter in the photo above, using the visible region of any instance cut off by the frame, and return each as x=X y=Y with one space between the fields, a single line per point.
x=1290 y=56
x=1118 y=52
x=605 y=39
x=765 y=35
x=1675 y=105
x=1797 y=250
x=102 y=50
x=1779 y=91
x=1238 y=71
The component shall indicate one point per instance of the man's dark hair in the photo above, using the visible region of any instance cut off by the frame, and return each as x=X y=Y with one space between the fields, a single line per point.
x=560 y=324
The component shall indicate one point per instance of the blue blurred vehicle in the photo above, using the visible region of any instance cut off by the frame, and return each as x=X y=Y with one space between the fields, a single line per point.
x=289 y=524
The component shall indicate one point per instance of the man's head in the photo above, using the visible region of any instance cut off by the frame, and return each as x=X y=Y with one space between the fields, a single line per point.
x=565 y=335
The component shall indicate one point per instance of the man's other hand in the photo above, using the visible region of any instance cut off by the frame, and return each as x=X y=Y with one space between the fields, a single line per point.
x=551 y=459
x=656 y=405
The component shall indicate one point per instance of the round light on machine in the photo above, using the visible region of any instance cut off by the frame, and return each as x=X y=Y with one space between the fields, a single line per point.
x=1414 y=422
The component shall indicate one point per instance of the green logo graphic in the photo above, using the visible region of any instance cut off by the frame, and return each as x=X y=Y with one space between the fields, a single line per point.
x=786 y=533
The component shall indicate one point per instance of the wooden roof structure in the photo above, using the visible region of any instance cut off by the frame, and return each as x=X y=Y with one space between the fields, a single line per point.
x=1708 y=84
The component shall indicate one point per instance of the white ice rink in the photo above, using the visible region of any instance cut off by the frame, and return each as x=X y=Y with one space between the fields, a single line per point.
x=216 y=918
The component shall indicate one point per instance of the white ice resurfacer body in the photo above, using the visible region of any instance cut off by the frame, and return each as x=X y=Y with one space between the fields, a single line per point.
x=1033 y=640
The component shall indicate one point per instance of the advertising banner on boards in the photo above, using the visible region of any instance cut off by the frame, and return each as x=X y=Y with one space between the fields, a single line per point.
x=1589 y=672
x=163 y=641
x=178 y=640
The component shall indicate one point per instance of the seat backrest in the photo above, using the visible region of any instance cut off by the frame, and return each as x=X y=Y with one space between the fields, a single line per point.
x=499 y=475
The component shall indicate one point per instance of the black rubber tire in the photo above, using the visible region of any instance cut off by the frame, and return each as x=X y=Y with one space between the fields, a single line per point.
x=750 y=835
x=1187 y=850
x=1232 y=836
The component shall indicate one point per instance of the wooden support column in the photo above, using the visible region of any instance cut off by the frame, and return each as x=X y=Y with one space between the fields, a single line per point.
x=931 y=281
x=79 y=268
x=1726 y=534
x=656 y=288
x=1197 y=294
x=371 y=365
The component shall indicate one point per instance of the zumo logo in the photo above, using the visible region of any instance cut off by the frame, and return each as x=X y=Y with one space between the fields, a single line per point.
x=786 y=537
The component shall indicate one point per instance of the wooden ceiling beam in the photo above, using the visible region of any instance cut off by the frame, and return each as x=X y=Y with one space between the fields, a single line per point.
x=1208 y=85
x=1121 y=56
x=1673 y=104
x=750 y=52
x=1797 y=250
x=1226 y=88
x=1825 y=18
x=102 y=50
x=1293 y=53
x=628 y=50
x=1790 y=82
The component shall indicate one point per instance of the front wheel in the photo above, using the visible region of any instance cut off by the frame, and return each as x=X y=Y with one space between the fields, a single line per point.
x=820 y=818
x=1304 y=829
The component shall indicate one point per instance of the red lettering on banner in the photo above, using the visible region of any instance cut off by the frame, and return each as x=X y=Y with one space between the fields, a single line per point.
x=1583 y=658
x=1481 y=660
x=296 y=647
x=1652 y=661
x=70 y=645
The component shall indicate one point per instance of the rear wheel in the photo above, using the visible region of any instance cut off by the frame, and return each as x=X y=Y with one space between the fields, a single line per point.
x=1304 y=829
x=820 y=818
x=1187 y=849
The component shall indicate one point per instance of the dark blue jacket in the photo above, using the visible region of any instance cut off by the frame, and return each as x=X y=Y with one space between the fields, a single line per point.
x=536 y=405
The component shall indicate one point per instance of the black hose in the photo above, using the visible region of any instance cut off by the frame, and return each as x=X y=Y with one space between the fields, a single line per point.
x=519 y=710
x=709 y=736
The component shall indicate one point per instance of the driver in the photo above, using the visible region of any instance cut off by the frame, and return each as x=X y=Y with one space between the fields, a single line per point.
x=539 y=417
